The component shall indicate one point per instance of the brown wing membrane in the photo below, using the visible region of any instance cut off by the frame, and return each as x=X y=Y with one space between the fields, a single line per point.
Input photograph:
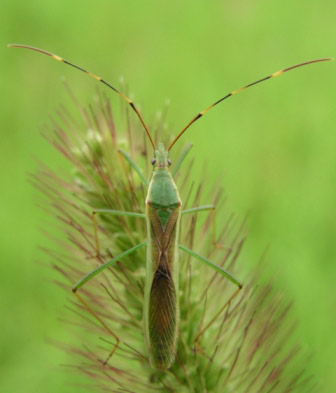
x=162 y=319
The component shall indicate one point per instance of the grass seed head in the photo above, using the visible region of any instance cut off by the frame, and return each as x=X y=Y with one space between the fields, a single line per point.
x=243 y=348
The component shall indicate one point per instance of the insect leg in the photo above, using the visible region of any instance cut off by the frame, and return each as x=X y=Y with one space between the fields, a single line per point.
x=181 y=158
x=213 y=216
x=86 y=278
x=107 y=264
x=109 y=211
x=134 y=166
x=220 y=270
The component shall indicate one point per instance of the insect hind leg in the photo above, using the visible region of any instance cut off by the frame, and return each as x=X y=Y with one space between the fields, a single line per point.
x=88 y=277
x=223 y=272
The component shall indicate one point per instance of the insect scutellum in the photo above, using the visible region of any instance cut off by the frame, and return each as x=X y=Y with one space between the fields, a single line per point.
x=163 y=212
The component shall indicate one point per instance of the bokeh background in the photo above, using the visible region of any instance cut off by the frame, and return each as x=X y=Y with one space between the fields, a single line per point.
x=272 y=147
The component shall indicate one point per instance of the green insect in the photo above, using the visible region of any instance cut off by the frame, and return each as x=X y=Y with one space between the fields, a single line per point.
x=163 y=212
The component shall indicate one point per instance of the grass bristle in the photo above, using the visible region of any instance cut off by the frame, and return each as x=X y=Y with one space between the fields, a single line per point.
x=246 y=349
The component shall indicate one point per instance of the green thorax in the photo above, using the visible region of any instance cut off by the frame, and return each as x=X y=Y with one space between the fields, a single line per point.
x=162 y=192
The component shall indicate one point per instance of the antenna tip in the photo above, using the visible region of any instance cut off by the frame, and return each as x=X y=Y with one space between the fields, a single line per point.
x=15 y=46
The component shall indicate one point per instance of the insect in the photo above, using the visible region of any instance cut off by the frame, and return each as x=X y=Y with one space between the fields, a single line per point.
x=163 y=212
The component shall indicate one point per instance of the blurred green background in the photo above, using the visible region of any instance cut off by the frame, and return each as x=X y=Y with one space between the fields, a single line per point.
x=272 y=147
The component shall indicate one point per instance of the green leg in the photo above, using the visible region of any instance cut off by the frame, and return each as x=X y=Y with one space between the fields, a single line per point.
x=107 y=264
x=213 y=216
x=181 y=159
x=82 y=281
x=220 y=270
x=113 y=212
x=134 y=166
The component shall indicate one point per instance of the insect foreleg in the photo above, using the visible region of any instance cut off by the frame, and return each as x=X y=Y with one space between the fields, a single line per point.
x=109 y=211
x=213 y=217
x=181 y=158
x=134 y=166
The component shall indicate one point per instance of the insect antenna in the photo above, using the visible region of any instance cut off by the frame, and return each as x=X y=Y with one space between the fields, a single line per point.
x=98 y=78
x=275 y=74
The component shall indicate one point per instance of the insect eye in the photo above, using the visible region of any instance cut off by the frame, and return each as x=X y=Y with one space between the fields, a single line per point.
x=153 y=161
x=169 y=161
